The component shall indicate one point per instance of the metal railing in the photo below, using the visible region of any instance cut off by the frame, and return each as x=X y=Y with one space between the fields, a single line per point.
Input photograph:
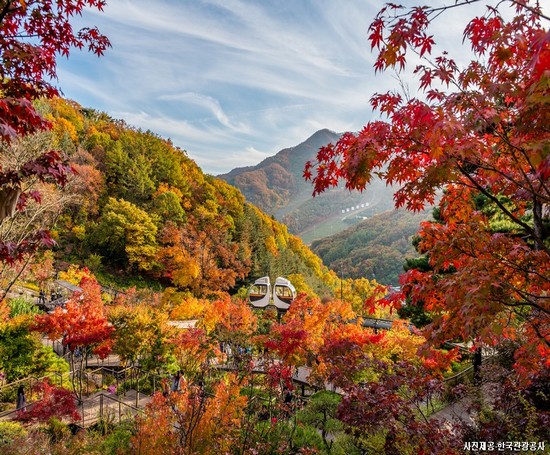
x=108 y=408
x=29 y=383
x=101 y=407
x=94 y=380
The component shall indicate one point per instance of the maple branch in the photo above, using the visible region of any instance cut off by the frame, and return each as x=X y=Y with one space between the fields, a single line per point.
x=26 y=231
x=419 y=409
x=535 y=11
x=543 y=183
x=528 y=161
x=462 y=90
x=7 y=9
x=501 y=206
x=524 y=304
x=529 y=187
x=543 y=337
x=501 y=135
x=518 y=268
x=16 y=277
x=439 y=10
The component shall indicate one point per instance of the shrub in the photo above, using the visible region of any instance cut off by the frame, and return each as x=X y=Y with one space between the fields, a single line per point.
x=22 y=305
x=57 y=430
x=118 y=441
x=9 y=433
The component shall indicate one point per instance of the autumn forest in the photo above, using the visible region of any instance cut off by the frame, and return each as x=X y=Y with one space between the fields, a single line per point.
x=126 y=323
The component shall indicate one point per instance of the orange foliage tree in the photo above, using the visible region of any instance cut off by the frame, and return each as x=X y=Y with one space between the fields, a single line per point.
x=304 y=326
x=183 y=306
x=341 y=357
x=194 y=420
x=201 y=256
x=192 y=349
x=230 y=321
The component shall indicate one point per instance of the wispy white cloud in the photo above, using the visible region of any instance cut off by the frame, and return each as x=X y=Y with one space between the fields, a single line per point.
x=210 y=104
x=233 y=81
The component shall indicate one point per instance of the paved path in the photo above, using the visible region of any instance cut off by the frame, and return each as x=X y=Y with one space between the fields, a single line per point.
x=457 y=412
x=110 y=361
x=461 y=411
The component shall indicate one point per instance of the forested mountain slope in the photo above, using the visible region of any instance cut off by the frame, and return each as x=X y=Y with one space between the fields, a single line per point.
x=277 y=181
x=142 y=207
x=277 y=186
x=374 y=248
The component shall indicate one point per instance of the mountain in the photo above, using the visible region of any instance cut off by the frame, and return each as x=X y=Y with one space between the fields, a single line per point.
x=138 y=207
x=374 y=248
x=276 y=181
x=276 y=186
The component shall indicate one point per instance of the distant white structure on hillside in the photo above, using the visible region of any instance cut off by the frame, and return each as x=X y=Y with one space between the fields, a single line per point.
x=355 y=207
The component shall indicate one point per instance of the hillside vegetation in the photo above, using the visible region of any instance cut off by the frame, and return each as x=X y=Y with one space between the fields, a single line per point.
x=374 y=248
x=138 y=206
x=276 y=185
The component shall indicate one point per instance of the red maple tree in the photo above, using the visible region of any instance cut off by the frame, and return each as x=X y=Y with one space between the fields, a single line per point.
x=82 y=326
x=480 y=134
x=33 y=34
x=53 y=402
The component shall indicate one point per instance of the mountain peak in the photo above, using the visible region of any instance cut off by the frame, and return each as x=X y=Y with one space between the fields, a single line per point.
x=305 y=150
x=276 y=185
x=274 y=181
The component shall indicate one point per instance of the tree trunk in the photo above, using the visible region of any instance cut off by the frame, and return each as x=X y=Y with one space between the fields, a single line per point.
x=537 y=224
x=8 y=201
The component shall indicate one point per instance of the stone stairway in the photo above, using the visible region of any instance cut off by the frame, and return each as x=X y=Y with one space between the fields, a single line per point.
x=101 y=405
x=110 y=407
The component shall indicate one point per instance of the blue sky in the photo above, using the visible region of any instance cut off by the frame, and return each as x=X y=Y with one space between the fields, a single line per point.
x=234 y=81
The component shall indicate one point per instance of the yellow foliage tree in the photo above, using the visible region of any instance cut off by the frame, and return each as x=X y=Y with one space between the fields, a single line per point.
x=141 y=333
x=75 y=273
x=184 y=306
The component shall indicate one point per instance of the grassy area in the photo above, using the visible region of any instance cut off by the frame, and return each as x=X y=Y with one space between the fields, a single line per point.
x=328 y=227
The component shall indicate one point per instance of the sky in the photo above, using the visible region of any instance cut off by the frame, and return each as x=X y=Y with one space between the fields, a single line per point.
x=234 y=81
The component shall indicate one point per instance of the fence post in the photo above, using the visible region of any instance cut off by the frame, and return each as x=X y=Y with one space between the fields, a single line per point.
x=137 y=390
x=101 y=407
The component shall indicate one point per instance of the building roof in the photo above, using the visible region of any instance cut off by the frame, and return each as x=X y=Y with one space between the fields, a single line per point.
x=189 y=324
x=70 y=286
